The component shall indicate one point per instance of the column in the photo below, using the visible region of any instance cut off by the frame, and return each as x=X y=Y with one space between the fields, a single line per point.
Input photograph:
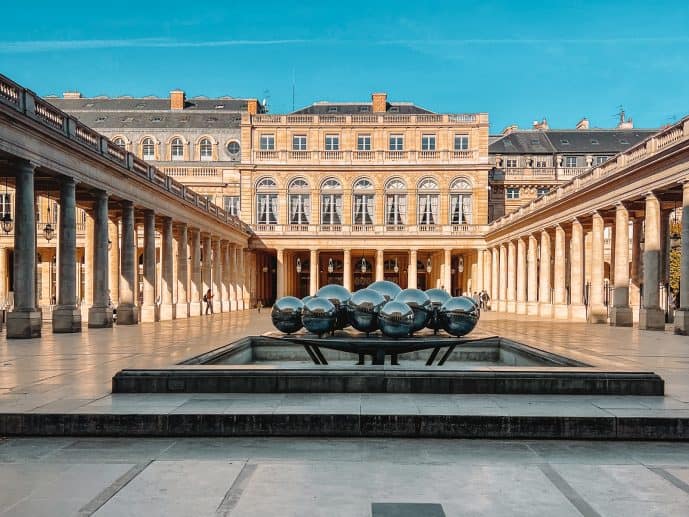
x=280 y=273
x=196 y=287
x=148 y=308
x=511 y=277
x=127 y=313
x=182 y=307
x=488 y=271
x=651 y=316
x=521 y=276
x=380 y=266
x=114 y=261
x=682 y=314
x=502 y=302
x=24 y=321
x=634 y=287
x=243 y=274
x=560 y=309
x=67 y=316
x=532 y=277
x=87 y=300
x=545 y=306
x=206 y=269
x=479 y=282
x=577 y=309
x=225 y=251
x=412 y=273
x=347 y=269
x=167 y=280
x=3 y=278
x=313 y=272
x=447 y=271
x=232 y=275
x=217 y=276
x=621 y=312
x=495 y=279
x=100 y=313
x=598 y=313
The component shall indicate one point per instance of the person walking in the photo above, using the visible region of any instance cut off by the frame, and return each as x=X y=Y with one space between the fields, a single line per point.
x=259 y=306
x=208 y=298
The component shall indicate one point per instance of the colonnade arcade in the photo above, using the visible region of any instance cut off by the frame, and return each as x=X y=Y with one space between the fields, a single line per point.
x=289 y=271
x=165 y=278
x=569 y=269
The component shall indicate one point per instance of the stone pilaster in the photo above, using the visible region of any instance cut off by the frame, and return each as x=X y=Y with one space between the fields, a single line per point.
x=502 y=296
x=380 y=265
x=196 y=287
x=412 y=273
x=182 y=309
x=217 y=276
x=313 y=272
x=511 y=276
x=280 y=253
x=447 y=271
x=347 y=269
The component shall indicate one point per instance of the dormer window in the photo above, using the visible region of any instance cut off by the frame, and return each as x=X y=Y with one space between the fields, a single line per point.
x=332 y=109
x=364 y=109
x=394 y=109
x=625 y=142
x=594 y=141
x=564 y=141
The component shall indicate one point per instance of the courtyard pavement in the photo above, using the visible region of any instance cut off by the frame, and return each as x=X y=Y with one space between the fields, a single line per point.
x=71 y=373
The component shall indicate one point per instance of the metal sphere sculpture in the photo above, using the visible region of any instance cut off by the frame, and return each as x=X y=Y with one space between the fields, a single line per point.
x=396 y=319
x=319 y=316
x=286 y=314
x=388 y=289
x=338 y=296
x=363 y=309
x=420 y=303
x=307 y=298
x=438 y=297
x=459 y=316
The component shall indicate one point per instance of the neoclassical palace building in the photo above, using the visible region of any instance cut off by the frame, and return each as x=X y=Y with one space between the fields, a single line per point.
x=544 y=220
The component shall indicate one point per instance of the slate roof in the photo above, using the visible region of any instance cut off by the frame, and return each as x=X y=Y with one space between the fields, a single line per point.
x=359 y=108
x=152 y=113
x=553 y=141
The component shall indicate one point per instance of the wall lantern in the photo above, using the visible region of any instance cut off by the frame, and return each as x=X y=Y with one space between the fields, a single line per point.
x=331 y=266
x=298 y=265
x=7 y=223
x=396 y=269
x=48 y=230
x=429 y=265
x=364 y=266
x=460 y=263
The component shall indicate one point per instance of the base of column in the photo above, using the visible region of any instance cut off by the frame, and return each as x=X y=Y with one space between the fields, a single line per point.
x=652 y=319
x=182 y=311
x=149 y=313
x=66 y=320
x=621 y=317
x=577 y=312
x=23 y=324
x=233 y=305
x=521 y=307
x=166 y=312
x=532 y=308
x=598 y=314
x=100 y=317
x=561 y=311
x=682 y=321
x=127 y=314
x=511 y=306
x=545 y=310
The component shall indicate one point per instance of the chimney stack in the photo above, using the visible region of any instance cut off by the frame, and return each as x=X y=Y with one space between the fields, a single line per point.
x=177 y=100
x=380 y=102
x=583 y=123
x=510 y=129
x=252 y=106
x=71 y=95
x=543 y=124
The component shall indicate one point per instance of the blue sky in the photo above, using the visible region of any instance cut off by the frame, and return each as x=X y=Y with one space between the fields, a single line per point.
x=561 y=60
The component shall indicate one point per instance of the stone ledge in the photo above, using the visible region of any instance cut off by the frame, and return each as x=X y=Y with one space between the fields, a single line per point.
x=346 y=425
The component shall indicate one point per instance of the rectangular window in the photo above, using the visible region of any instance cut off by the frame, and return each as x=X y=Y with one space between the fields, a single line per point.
x=396 y=142
x=332 y=142
x=541 y=164
x=461 y=142
x=512 y=193
x=299 y=143
x=5 y=205
x=542 y=191
x=267 y=142
x=428 y=142
x=363 y=143
x=231 y=205
x=511 y=163
x=570 y=161
x=600 y=160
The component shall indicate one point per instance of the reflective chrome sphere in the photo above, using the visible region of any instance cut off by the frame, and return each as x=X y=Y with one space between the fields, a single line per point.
x=396 y=319
x=319 y=316
x=458 y=316
x=286 y=314
x=437 y=297
x=307 y=298
x=338 y=296
x=363 y=309
x=387 y=289
x=420 y=303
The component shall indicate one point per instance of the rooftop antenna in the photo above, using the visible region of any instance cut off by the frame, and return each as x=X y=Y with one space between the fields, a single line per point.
x=620 y=113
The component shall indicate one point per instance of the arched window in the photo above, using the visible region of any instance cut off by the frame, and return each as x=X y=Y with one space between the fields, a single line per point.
x=363 y=206
x=148 y=149
x=299 y=201
x=460 y=201
x=266 y=201
x=331 y=202
x=427 y=203
x=205 y=150
x=119 y=141
x=176 y=149
x=395 y=203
